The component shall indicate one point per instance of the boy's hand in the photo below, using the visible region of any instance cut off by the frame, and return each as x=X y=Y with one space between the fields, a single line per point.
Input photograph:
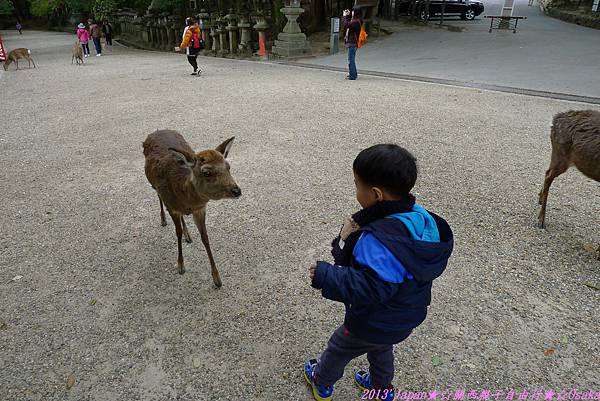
x=311 y=271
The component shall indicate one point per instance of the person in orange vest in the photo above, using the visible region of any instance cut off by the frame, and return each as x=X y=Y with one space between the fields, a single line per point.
x=192 y=43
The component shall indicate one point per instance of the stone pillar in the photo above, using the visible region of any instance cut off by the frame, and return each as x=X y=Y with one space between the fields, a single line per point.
x=205 y=25
x=245 y=37
x=231 y=18
x=172 y=42
x=215 y=41
x=261 y=26
x=291 y=42
x=222 y=37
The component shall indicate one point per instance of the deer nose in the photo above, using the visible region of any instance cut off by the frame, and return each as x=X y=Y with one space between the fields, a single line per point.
x=236 y=191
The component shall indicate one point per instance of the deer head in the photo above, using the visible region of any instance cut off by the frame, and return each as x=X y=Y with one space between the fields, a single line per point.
x=209 y=171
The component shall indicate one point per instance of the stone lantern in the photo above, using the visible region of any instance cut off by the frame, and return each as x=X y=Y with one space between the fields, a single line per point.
x=205 y=25
x=291 y=42
x=245 y=36
x=261 y=26
x=222 y=37
x=231 y=27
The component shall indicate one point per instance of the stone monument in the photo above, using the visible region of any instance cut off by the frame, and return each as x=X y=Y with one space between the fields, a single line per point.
x=291 y=42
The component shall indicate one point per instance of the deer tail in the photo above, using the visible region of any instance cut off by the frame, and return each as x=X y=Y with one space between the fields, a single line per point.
x=28 y=51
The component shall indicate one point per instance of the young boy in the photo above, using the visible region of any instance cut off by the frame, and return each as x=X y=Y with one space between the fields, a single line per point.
x=386 y=258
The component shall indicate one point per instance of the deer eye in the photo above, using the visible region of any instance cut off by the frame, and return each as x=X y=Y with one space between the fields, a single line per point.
x=206 y=173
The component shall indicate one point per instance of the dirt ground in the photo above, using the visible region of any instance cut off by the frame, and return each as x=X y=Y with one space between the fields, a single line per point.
x=89 y=294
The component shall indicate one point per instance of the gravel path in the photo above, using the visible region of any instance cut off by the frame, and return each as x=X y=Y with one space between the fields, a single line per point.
x=100 y=297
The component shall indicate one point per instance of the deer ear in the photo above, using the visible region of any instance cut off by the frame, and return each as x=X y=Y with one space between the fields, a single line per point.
x=184 y=158
x=225 y=147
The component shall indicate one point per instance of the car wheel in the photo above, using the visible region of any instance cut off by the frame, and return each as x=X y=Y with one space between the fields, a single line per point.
x=468 y=15
x=424 y=15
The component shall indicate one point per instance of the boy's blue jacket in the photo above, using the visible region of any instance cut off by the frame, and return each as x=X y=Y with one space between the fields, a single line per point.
x=387 y=286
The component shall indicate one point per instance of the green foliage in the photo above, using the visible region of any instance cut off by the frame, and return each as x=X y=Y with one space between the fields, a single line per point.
x=42 y=8
x=103 y=9
x=165 y=5
x=6 y=7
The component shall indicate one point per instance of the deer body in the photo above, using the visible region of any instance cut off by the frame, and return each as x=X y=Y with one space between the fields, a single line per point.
x=185 y=182
x=575 y=137
x=16 y=54
x=77 y=53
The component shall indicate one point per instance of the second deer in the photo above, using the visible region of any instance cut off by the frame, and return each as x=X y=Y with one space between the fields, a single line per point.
x=15 y=55
x=77 y=53
x=575 y=137
x=185 y=182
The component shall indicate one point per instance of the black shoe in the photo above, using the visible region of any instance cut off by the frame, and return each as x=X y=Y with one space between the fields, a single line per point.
x=194 y=73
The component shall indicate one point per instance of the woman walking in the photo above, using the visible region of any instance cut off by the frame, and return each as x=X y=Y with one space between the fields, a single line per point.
x=95 y=33
x=192 y=43
x=352 y=26
x=84 y=37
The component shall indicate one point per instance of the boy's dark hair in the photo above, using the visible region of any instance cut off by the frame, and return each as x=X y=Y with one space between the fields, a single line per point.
x=189 y=21
x=388 y=166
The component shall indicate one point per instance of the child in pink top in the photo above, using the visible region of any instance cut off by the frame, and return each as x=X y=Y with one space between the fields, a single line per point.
x=84 y=36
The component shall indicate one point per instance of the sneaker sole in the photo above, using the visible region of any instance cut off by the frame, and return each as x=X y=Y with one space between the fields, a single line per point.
x=314 y=390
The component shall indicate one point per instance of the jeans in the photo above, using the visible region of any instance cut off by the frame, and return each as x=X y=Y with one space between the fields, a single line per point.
x=343 y=347
x=108 y=37
x=353 y=74
x=97 y=45
x=86 y=48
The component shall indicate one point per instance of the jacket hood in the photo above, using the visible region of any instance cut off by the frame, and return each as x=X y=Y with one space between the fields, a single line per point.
x=421 y=254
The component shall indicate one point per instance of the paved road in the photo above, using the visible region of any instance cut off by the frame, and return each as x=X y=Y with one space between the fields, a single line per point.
x=100 y=297
x=545 y=54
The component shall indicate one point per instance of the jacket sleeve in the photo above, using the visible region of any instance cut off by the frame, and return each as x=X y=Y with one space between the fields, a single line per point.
x=350 y=285
x=186 y=39
x=347 y=20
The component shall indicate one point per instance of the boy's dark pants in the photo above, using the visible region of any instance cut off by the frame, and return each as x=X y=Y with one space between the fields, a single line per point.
x=343 y=347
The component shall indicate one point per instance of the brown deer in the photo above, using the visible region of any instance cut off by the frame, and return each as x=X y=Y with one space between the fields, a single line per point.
x=77 y=53
x=15 y=55
x=185 y=182
x=575 y=137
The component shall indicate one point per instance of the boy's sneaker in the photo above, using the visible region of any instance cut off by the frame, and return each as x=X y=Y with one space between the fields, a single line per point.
x=363 y=381
x=321 y=393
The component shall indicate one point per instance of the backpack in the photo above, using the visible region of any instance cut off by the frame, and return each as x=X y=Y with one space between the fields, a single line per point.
x=196 y=40
x=362 y=38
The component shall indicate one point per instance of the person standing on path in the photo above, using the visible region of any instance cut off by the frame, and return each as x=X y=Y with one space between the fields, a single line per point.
x=107 y=30
x=191 y=42
x=19 y=28
x=84 y=37
x=352 y=26
x=95 y=33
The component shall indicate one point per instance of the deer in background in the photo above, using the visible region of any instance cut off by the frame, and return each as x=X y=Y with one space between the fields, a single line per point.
x=575 y=137
x=77 y=53
x=15 y=55
x=185 y=182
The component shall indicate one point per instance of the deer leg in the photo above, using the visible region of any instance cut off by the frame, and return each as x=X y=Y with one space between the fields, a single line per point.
x=32 y=62
x=554 y=171
x=178 y=230
x=163 y=221
x=186 y=233
x=17 y=63
x=200 y=220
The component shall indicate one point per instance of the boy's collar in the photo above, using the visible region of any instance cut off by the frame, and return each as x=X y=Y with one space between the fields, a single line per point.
x=383 y=209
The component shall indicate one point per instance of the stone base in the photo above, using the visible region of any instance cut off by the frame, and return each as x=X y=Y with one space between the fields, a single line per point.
x=291 y=49
x=291 y=45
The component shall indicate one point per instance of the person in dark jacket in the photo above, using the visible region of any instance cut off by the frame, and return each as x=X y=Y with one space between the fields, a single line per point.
x=352 y=26
x=107 y=30
x=385 y=259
